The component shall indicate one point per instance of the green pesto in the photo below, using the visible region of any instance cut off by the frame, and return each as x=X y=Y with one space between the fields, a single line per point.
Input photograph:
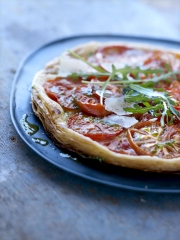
x=28 y=127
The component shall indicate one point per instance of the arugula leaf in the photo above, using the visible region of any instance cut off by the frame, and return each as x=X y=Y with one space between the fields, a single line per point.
x=138 y=109
x=106 y=83
x=130 y=97
x=161 y=102
x=137 y=70
x=137 y=90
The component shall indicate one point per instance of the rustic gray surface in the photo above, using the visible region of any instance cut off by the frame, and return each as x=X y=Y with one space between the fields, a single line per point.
x=39 y=201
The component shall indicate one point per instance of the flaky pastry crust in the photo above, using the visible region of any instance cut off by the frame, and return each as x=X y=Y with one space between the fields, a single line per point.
x=54 y=122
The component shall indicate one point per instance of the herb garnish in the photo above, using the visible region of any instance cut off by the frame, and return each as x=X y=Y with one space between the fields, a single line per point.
x=160 y=103
x=145 y=99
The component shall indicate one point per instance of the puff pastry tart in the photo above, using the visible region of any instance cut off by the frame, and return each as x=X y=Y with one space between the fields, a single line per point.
x=116 y=102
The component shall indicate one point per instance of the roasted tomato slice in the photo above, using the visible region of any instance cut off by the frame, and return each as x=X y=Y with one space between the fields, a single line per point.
x=115 y=54
x=88 y=101
x=60 y=90
x=87 y=97
x=149 y=138
x=91 y=106
x=110 y=53
x=174 y=90
x=175 y=94
x=156 y=61
x=178 y=108
x=119 y=144
x=92 y=127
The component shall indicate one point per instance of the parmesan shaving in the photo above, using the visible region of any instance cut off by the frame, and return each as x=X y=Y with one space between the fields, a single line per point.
x=117 y=105
x=123 y=121
x=69 y=65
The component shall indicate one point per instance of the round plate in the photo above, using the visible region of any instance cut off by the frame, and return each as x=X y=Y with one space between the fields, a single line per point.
x=90 y=169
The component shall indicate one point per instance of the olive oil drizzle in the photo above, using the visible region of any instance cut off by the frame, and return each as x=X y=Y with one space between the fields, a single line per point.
x=31 y=129
x=28 y=127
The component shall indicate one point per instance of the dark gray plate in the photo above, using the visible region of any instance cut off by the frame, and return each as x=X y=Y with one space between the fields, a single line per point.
x=92 y=170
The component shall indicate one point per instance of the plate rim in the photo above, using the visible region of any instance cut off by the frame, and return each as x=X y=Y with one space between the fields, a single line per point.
x=20 y=133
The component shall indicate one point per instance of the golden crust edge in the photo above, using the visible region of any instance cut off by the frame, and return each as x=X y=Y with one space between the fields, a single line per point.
x=51 y=115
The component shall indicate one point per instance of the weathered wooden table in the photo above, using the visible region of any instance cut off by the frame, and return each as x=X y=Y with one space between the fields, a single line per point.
x=40 y=201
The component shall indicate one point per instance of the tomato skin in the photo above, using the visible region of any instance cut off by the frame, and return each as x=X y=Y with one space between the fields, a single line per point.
x=93 y=109
x=89 y=103
x=175 y=94
x=156 y=61
x=88 y=99
x=150 y=138
x=93 y=128
x=60 y=90
x=52 y=95
x=72 y=95
x=121 y=145
x=177 y=108
x=111 y=51
x=174 y=89
x=47 y=87
x=95 y=79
